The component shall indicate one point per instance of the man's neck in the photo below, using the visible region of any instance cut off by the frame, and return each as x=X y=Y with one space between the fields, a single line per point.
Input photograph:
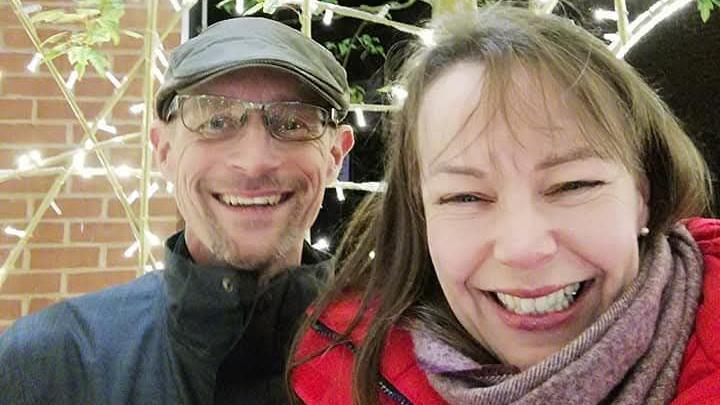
x=202 y=255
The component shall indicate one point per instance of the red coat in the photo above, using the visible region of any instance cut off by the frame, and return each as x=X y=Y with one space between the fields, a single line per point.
x=326 y=379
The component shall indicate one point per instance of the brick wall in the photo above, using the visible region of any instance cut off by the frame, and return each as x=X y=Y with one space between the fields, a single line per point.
x=82 y=249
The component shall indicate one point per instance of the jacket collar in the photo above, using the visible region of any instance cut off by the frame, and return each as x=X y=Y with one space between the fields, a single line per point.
x=210 y=307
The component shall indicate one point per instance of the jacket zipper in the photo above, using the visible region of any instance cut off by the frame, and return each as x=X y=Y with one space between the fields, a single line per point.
x=385 y=386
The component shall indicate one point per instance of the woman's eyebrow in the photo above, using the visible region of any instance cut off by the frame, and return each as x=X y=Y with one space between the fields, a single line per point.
x=567 y=157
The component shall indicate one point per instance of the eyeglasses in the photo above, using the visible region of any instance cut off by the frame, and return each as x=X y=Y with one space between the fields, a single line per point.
x=218 y=117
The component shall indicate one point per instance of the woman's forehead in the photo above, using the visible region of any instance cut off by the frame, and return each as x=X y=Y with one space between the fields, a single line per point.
x=460 y=109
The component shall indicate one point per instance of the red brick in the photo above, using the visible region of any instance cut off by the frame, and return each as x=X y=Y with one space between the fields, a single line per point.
x=17 y=38
x=16 y=61
x=9 y=157
x=37 y=304
x=13 y=209
x=30 y=86
x=87 y=282
x=116 y=256
x=101 y=232
x=78 y=133
x=10 y=309
x=15 y=109
x=59 y=109
x=32 y=134
x=74 y=208
x=64 y=257
x=28 y=185
x=36 y=283
x=7 y=16
x=101 y=185
x=136 y=17
x=159 y=207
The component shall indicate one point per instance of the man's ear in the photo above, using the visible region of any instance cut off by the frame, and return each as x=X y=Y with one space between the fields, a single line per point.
x=342 y=144
x=160 y=134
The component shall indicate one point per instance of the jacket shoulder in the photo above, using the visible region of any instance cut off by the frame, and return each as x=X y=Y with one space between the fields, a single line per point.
x=43 y=354
x=699 y=381
x=324 y=375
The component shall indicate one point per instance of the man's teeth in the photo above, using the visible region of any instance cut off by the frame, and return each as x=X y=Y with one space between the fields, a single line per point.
x=557 y=301
x=237 y=201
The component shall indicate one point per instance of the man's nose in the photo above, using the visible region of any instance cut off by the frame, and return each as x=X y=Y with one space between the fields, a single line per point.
x=253 y=150
x=524 y=237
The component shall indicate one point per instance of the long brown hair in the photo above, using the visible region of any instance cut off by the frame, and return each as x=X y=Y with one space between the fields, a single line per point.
x=639 y=131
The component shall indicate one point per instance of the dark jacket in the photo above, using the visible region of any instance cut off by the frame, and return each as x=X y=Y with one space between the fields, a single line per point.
x=190 y=334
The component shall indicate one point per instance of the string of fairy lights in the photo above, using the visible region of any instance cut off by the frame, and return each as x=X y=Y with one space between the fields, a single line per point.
x=72 y=163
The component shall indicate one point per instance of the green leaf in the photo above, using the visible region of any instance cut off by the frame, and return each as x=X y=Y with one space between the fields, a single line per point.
x=98 y=61
x=705 y=6
x=357 y=94
x=47 y=16
x=54 y=38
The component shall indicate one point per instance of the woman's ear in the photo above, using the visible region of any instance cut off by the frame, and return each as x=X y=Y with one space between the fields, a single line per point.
x=160 y=137
x=643 y=186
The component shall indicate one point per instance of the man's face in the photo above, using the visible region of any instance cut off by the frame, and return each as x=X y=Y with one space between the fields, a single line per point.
x=248 y=199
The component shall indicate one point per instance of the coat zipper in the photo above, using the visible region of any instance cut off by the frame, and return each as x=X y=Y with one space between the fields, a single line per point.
x=385 y=386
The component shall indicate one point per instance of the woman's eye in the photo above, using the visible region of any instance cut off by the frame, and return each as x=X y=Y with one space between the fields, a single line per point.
x=463 y=198
x=571 y=186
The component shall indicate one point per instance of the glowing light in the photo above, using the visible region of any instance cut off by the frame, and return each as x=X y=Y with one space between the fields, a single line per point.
x=239 y=7
x=153 y=189
x=123 y=171
x=328 y=17
x=160 y=266
x=428 y=37
x=34 y=63
x=31 y=8
x=321 y=244
x=169 y=187
x=14 y=232
x=646 y=21
x=153 y=239
x=158 y=74
x=72 y=79
x=611 y=37
x=601 y=14
x=371 y=255
x=115 y=82
x=55 y=208
x=89 y=144
x=79 y=160
x=102 y=125
x=133 y=197
x=161 y=57
x=399 y=94
x=137 y=108
x=130 y=251
x=340 y=193
x=24 y=162
x=360 y=118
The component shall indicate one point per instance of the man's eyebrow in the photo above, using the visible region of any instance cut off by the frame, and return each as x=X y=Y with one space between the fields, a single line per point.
x=567 y=157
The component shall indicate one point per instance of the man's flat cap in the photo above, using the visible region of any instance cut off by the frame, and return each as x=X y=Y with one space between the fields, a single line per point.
x=253 y=42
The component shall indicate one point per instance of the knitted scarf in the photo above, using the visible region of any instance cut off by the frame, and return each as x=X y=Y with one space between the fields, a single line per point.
x=630 y=355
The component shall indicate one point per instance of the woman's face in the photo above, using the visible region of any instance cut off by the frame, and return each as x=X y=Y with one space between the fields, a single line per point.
x=531 y=234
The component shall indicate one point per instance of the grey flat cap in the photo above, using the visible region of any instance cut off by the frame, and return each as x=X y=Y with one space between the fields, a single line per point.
x=253 y=42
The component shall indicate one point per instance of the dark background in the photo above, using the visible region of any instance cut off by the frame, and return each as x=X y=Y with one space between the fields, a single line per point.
x=680 y=58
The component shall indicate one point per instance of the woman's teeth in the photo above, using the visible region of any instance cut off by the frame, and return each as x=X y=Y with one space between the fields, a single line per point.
x=237 y=201
x=557 y=301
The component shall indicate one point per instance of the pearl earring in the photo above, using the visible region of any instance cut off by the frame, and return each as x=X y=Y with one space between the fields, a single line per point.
x=644 y=231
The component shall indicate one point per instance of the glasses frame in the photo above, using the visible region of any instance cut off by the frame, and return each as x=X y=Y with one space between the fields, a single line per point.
x=334 y=115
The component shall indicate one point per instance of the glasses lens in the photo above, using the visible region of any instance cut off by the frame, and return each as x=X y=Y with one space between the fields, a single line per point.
x=212 y=117
x=296 y=121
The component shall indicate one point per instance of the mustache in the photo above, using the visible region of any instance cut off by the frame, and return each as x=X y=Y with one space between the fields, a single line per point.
x=258 y=183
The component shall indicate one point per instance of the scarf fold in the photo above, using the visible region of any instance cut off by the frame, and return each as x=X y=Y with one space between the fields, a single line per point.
x=630 y=355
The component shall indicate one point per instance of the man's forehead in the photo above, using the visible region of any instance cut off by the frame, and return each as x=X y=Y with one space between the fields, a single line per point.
x=259 y=84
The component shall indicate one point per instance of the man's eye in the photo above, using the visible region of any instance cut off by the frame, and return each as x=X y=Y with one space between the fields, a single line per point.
x=218 y=123
x=292 y=124
x=572 y=186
